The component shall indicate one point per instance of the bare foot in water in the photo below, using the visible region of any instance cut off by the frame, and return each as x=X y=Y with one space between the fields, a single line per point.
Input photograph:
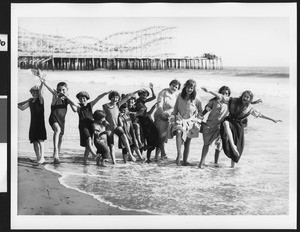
x=177 y=161
x=232 y=164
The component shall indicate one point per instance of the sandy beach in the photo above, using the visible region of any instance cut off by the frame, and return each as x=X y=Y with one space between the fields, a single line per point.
x=40 y=193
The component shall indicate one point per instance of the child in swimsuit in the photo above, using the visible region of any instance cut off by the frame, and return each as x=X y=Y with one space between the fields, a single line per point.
x=60 y=101
x=100 y=137
x=148 y=128
x=37 y=130
x=124 y=120
x=132 y=111
x=85 y=113
x=111 y=111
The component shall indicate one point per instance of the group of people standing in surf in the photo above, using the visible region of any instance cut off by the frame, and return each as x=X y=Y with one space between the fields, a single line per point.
x=140 y=129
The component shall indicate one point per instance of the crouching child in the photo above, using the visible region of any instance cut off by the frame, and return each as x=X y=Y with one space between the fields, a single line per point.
x=100 y=137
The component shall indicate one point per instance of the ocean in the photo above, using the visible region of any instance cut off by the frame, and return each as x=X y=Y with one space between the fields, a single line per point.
x=258 y=185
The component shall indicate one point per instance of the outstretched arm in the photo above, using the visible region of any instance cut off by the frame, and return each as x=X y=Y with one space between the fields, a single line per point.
x=98 y=98
x=256 y=102
x=217 y=95
x=24 y=105
x=271 y=119
x=41 y=97
x=53 y=91
x=152 y=109
x=153 y=94
x=74 y=106
x=128 y=96
x=42 y=79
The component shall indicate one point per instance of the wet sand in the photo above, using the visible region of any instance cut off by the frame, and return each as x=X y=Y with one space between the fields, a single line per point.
x=40 y=193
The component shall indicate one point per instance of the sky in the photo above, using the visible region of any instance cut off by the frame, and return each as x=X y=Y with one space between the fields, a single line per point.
x=239 y=41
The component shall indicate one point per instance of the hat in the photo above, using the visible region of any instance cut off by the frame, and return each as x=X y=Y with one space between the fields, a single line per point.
x=83 y=94
x=34 y=88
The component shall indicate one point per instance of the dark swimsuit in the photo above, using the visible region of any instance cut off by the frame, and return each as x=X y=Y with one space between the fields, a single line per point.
x=58 y=114
x=150 y=132
x=37 y=130
x=237 y=122
x=85 y=114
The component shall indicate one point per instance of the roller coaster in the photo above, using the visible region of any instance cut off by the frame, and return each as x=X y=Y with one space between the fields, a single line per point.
x=151 y=42
x=149 y=48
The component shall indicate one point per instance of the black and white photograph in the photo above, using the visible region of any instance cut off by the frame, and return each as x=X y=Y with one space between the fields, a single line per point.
x=153 y=116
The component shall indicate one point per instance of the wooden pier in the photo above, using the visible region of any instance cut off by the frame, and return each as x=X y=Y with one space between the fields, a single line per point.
x=67 y=62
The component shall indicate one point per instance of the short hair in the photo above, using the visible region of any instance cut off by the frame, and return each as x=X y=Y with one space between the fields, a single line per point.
x=144 y=91
x=113 y=94
x=62 y=84
x=225 y=88
x=189 y=82
x=98 y=115
x=175 y=82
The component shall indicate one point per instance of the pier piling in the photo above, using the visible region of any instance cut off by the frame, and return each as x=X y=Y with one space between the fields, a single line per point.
x=57 y=62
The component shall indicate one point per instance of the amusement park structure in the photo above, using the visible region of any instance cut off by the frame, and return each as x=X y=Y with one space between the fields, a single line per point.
x=149 y=48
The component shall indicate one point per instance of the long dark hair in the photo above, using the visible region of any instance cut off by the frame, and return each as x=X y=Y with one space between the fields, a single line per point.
x=240 y=105
x=188 y=83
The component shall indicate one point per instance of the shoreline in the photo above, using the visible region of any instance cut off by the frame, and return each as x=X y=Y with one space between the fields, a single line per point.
x=41 y=193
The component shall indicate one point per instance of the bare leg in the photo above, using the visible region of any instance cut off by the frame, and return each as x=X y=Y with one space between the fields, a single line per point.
x=162 y=147
x=205 y=149
x=112 y=153
x=86 y=155
x=230 y=138
x=232 y=164
x=137 y=131
x=137 y=151
x=157 y=151
x=36 y=151
x=217 y=153
x=89 y=147
x=57 y=139
x=41 y=152
x=186 y=150
x=178 y=146
x=126 y=143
